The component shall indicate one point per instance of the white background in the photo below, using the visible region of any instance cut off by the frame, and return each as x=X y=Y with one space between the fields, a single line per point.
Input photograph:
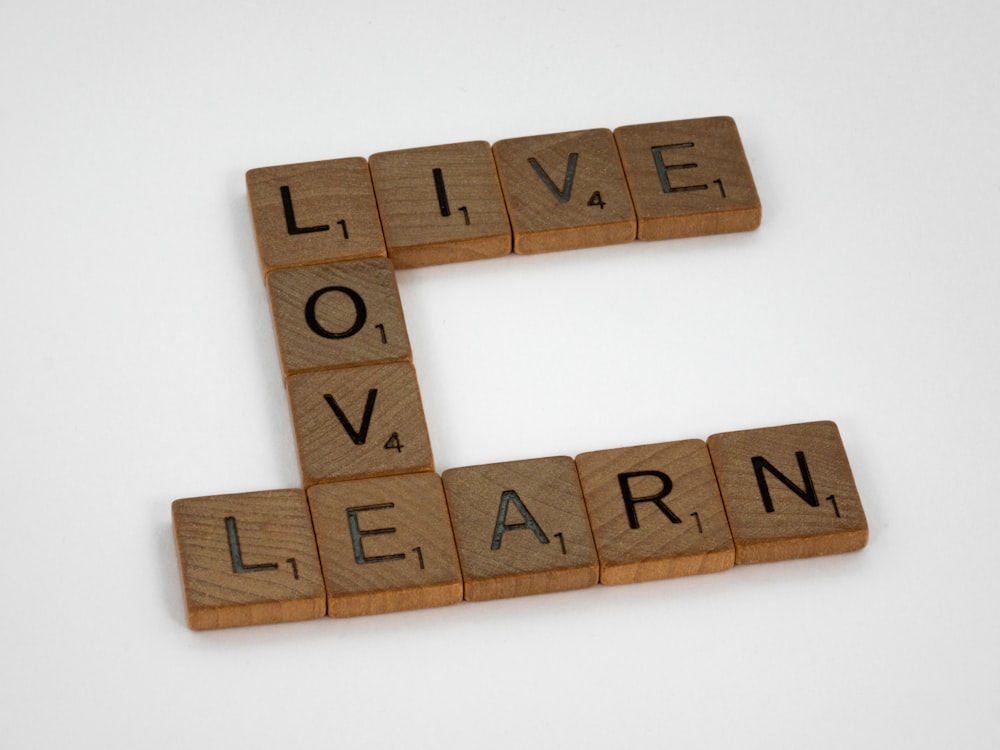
x=139 y=366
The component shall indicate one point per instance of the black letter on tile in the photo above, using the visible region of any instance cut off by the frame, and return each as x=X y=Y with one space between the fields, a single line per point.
x=808 y=494
x=630 y=500
x=357 y=533
x=661 y=169
x=358 y=436
x=501 y=527
x=567 y=188
x=441 y=193
x=236 y=556
x=360 y=313
x=293 y=228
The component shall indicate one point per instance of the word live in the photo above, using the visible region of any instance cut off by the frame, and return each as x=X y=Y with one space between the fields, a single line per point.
x=375 y=529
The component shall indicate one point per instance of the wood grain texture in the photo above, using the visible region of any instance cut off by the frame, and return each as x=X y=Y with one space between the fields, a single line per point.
x=379 y=430
x=337 y=314
x=440 y=204
x=688 y=178
x=248 y=559
x=521 y=528
x=565 y=191
x=385 y=544
x=655 y=511
x=789 y=492
x=314 y=213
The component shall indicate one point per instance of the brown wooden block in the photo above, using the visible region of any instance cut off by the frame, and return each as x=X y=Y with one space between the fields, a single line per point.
x=314 y=212
x=521 y=528
x=248 y=559
x=356 y=422
x=655 y=511
x=688 y=177
x=565 y=191
x=440 y=204
x=337 y=314
x=385 y=544
x=789 y=492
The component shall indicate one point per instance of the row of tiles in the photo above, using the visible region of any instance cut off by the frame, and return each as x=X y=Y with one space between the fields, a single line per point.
x=465 y=201
x=485 y=532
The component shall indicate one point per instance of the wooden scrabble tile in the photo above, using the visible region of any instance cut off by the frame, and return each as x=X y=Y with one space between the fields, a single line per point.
x=789 y=492
x=655 y=511
x=337 y=314
x=385 y=544
x=565 y=191
x=248 y=559
x=521 y=528
x=314 y=213
x=440 y=204
x=356 y=422
x=688 y=177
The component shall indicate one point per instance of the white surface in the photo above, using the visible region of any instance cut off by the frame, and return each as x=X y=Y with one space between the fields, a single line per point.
x=140 y=367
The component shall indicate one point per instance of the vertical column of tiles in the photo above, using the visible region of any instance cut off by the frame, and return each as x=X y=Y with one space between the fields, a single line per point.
x=789 y=492
x=314 y=212
x=440 y=204
x=655 y=511
x=355 y=422
x=688 y=177
x=337 y=314
x=565 y=191
x=335 y=305
x=521 y=528
x=385 y=544
x=248 y=559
